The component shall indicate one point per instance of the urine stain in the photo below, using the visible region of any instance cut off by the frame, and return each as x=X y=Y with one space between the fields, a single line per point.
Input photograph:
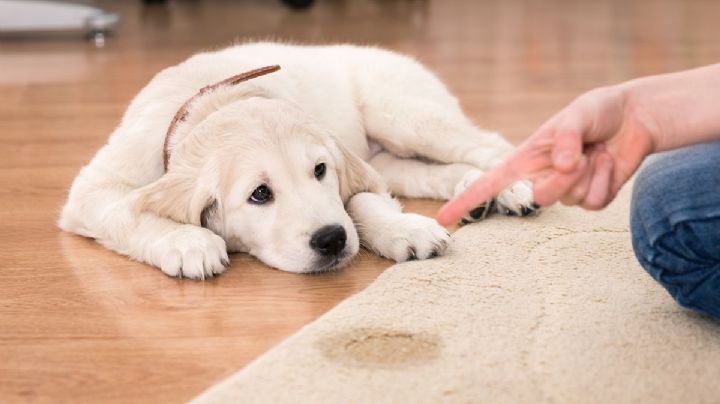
x=378 y=347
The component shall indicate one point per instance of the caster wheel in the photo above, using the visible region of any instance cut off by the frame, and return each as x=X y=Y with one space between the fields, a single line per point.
x=298 y=4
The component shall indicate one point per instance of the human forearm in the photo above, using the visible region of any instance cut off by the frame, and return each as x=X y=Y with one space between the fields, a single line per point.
x=677 y=109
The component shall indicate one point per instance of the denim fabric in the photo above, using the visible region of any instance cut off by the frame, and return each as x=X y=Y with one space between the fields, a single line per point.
x=675 y=224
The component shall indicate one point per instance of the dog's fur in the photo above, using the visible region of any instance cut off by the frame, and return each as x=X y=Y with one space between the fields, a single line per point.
x=378 y=121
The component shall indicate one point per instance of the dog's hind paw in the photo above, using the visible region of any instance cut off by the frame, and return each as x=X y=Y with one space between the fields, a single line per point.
x=483 y=209
x=517 y=200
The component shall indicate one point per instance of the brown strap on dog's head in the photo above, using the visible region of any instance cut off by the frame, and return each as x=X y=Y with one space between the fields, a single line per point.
x=182 y=113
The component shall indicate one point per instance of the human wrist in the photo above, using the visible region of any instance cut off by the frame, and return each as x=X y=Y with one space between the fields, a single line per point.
x=642 y=114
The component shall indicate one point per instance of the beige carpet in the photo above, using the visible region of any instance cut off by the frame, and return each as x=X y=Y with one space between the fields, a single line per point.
x=552 y=308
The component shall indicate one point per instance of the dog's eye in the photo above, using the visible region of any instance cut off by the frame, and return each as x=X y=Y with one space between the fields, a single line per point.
x=320 y=171
x=260 y=195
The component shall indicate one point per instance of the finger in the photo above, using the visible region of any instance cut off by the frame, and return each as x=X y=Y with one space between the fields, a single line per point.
x=555 y=186
x=577 y=193
x=484 y=188
x=579 y=190
x=599 y=193
x=567 y=149
x=531 y=157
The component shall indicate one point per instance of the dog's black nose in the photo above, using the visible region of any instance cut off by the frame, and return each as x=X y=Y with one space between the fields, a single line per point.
x=329 y=240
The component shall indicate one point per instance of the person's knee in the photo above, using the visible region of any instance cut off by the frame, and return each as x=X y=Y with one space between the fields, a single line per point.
x=648 y=221
x=675 y=241
x=679 y=262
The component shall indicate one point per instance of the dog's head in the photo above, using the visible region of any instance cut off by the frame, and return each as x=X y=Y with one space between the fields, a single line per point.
x=262 y=175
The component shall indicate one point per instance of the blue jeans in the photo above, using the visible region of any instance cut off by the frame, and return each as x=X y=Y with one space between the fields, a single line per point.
x=675 y=224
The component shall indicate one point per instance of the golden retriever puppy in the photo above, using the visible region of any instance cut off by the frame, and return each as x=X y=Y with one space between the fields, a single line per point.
x=294 y=166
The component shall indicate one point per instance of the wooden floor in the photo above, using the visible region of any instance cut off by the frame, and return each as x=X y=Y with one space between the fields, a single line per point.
x=79 y=323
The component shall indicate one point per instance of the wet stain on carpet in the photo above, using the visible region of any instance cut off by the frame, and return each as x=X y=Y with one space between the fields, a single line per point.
x=377 y=347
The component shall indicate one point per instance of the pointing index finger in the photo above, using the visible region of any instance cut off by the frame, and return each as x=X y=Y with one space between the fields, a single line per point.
x=484 y=188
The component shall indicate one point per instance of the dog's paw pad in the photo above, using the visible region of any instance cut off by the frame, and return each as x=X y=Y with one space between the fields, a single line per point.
x=483 y=209
x=528 y=210
x=479 y=213
x=411 y=254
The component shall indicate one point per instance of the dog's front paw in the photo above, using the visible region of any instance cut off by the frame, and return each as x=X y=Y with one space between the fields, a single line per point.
x=517 y=200
x=192 y=252
x=411 y=237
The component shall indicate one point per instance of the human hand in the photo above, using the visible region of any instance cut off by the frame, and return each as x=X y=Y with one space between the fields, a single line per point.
x=581 y=156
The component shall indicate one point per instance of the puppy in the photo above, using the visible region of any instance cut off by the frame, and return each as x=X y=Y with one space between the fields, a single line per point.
x=294 y=166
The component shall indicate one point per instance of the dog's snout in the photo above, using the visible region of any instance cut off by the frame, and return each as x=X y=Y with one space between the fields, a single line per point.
x=329 y=240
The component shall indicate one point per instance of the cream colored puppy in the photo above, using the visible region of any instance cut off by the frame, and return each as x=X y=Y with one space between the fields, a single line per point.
x=294 y=167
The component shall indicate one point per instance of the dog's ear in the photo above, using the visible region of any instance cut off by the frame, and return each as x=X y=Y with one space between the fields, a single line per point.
x=181 y=198
x=211 y=219
x=355 y=175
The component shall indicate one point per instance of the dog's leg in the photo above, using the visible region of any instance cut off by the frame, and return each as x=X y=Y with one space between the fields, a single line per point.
x=386 y=230
x=438 y=131
x=103 y=209
x=414 y=178
x=419 y=179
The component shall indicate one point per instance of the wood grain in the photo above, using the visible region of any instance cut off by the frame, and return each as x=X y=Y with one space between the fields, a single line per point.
x=80 y=323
